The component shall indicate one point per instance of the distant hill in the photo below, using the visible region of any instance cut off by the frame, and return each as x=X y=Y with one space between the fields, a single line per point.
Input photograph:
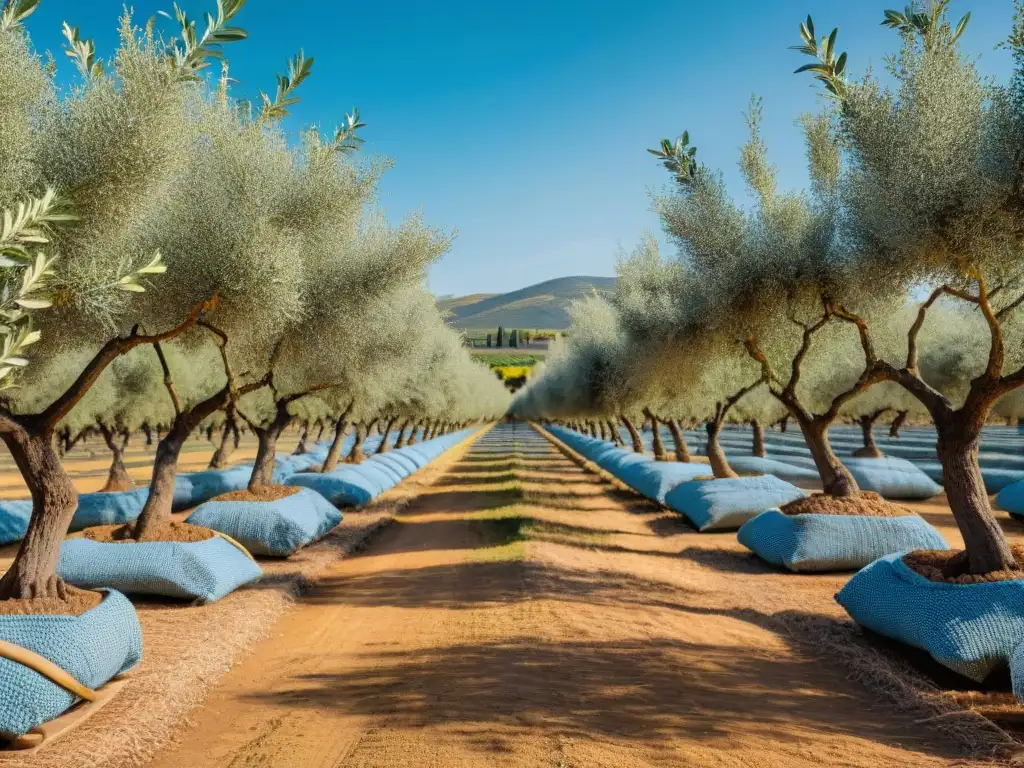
x=542 y=305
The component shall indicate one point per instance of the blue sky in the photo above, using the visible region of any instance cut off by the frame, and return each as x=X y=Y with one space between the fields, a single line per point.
x=524 y=125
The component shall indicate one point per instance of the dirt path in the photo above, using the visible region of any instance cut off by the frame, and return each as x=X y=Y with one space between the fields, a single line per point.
x=523 y=613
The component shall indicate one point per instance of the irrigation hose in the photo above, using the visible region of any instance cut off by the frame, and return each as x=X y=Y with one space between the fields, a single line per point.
x=47 y=669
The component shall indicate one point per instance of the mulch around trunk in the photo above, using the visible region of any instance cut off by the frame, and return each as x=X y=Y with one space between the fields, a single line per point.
x=865 y=504
x=951 y=566
x=260 y=493
x=125 y=534
x=78 y=602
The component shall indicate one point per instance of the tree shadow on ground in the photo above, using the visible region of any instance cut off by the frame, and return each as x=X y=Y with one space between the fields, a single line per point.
x=653 y=690
x=498 y=466
x=455 y=478
x=432 y=502
x=728 y=561
x=619 y=500
x=670 y=524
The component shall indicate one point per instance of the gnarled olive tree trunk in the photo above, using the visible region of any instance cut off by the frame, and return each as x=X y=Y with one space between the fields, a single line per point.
x=412 y=432
x=402 y=437
x=334 y=453
x=716 y=456
x=836 y=479
x=118 y=478
x=634 y=435
x=614 y=434
x=656 y=444
x=229 y=438
x=897 y=424
x=679 y=441
x=383 y=447
x=54 y=501
x=867 y=423
x=266 y=451
x=356 y=455
x=33 y=574
x=303 y=434
x=758 y=448
x=958 y=445
x=156 y=513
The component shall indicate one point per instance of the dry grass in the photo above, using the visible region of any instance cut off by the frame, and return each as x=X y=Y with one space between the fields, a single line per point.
x=901 y=685
x=188 y=649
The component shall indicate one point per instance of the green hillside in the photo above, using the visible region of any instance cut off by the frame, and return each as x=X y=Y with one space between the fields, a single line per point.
x=542 y=305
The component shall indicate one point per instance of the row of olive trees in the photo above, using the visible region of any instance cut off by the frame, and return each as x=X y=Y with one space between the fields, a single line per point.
x=282 y=282
x=803 y=304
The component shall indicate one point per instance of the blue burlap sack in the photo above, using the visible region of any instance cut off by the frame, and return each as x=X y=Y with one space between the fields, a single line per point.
x=892 y=478
x=379 y=476
x=996 y=479
x=416 y=456
x=289 y=465
x=93 y=509
x=277 y=528
x=386 y=469
x=108 y=508
x=93 y=648
x=970 y=628
x=352 y=485
x=619 y=462
x=14 y=517
x=727 y=503
x=997 y=460
x=1017 y=671
x=600 y=453
x=203 y=570
x=214 y=482
x=791 y=473
x=342 y=487
x=654 y=479
x=1011 y=499
x=183 y=493
x=813 y=542
x=397 y=461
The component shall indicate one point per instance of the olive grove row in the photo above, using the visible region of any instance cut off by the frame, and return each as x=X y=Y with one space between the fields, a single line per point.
x=173 y=259
x=892 y=284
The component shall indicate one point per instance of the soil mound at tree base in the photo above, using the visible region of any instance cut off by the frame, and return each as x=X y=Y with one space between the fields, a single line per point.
x=260 y=493
x=78 y=602
x=124 y=534
x=950 y=566
x=867 y=504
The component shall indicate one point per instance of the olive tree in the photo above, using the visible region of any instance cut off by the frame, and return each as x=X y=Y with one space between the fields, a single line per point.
x=112 y=148
x=771 y=277
x=931 y=195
